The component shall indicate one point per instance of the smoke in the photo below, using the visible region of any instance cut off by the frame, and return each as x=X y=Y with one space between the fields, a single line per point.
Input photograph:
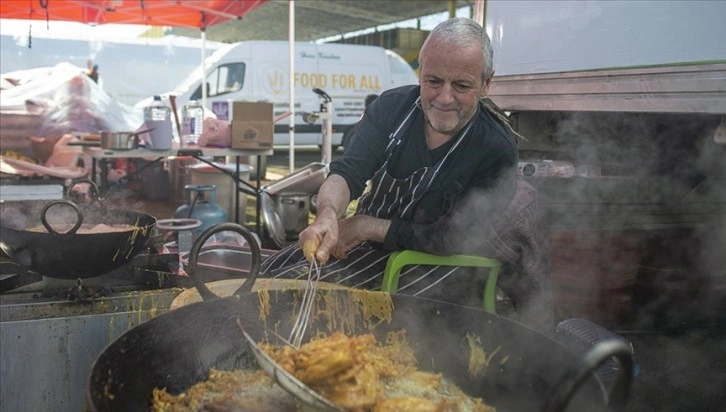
x=648 y=191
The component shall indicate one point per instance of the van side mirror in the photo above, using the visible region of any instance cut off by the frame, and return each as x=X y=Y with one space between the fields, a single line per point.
x=197 y=95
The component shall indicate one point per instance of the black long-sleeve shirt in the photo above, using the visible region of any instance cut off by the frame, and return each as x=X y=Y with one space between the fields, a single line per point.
x=476 y=181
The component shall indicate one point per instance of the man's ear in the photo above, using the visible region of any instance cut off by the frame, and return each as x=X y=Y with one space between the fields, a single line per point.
x=487 y=83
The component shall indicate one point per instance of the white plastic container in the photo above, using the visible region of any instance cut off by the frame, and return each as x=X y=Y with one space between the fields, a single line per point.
x=157 y=116
x=192 y=121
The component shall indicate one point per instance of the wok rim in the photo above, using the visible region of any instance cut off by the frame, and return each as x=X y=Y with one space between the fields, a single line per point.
x=595 y=391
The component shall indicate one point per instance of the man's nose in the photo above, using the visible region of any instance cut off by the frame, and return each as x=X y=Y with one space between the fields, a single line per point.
x=446 y=95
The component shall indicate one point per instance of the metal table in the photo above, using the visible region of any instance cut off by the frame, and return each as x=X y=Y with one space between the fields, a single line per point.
x=98 y=154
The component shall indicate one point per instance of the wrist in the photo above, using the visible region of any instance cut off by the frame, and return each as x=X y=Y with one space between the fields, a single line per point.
x=375 y=228
x=328 y=212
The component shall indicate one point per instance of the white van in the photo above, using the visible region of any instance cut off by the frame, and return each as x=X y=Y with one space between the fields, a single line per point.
x=259 y=71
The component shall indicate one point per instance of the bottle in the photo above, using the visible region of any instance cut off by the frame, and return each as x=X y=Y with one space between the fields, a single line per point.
x=157 y=116
x=192 y=119
x=157 y=110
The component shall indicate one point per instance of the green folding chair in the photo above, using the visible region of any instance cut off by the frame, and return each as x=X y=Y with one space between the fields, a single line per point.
x=398 y=260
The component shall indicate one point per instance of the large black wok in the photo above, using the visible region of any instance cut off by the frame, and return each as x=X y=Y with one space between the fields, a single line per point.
x=68 y=254
x=526 y=371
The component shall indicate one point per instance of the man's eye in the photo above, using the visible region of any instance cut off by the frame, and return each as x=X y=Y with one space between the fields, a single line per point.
x=462 y=87
x=433 y=82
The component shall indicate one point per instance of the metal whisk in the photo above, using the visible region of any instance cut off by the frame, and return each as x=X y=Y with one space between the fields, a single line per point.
x=303 y=317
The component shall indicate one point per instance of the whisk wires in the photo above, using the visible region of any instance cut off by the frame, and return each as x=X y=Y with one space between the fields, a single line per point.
x=306 y=306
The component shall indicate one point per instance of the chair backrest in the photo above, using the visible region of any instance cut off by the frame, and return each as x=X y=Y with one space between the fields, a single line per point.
x=399 y=259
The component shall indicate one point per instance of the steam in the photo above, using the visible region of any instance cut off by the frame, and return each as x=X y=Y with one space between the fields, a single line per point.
x=27 y=214
x=642 y=180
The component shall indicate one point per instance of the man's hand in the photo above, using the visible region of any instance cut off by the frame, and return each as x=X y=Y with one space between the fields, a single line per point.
x=357 y=229
x=318 y=239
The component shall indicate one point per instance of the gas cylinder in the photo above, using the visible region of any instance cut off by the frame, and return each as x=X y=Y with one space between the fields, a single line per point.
x=201 y=203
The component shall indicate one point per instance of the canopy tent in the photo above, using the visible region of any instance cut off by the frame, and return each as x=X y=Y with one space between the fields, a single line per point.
x=177 y=13
x=199 y=14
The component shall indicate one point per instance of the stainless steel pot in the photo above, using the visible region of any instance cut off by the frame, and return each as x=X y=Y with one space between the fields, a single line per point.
x=119 y=140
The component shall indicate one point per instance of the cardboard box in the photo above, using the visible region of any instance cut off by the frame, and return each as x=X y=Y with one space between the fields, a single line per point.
x=252 y=126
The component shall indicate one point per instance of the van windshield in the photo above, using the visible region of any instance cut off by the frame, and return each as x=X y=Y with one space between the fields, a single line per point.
x=226 y=78
x=189 y=81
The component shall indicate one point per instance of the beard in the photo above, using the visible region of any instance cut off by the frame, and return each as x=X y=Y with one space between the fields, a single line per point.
x=448 y=122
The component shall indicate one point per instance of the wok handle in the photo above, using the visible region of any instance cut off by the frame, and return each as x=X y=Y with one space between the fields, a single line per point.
x=573 y=378
x=246 y=286
x=50 y=229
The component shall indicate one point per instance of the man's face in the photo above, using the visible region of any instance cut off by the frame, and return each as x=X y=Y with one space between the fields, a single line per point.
x=451 y=85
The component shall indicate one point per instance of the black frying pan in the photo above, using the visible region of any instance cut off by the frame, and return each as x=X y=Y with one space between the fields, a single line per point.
x=70 y=255
x=526 y=372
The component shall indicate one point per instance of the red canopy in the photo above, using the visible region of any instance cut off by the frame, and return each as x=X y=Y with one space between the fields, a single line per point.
x=177 y=13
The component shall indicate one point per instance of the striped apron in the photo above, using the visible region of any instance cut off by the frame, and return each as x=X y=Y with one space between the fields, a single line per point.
x=389 y=197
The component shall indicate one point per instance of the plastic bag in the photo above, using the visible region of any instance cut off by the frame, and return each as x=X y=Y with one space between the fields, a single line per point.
x=68 y=101
x=215 y=133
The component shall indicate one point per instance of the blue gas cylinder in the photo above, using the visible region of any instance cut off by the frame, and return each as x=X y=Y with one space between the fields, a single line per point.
x=201 y=203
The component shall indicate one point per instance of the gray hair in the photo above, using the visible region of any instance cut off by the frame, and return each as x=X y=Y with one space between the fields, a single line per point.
x=461 y=32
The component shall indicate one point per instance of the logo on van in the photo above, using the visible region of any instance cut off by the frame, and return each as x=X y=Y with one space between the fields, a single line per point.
x=276 y=80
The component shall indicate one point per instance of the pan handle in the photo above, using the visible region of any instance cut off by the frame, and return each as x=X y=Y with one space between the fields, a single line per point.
x=246 y=286
x=573 y=378
x=50 y=229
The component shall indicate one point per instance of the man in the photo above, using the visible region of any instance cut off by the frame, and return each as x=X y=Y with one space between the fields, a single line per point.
x=93 y=73
x=441 y=166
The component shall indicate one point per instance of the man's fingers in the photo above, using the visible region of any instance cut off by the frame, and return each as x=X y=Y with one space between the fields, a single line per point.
x=322 y=255
x=310 y=247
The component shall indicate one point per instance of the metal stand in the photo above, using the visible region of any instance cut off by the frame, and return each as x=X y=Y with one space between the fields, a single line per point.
x=326 y=115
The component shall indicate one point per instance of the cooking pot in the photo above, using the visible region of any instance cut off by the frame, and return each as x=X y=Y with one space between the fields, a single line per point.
x=69 y=254
x=121 y=140
x=522 y=370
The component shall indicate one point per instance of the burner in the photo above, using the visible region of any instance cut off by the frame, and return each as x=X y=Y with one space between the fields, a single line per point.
x=79 y=292
x=145 y=272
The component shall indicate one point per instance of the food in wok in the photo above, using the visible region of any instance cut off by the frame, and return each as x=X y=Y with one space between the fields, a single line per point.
x=509 y=365
x=357 y=373
x=238 y=390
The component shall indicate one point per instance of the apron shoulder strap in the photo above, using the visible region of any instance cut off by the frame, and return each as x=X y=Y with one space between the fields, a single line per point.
x=394 y=139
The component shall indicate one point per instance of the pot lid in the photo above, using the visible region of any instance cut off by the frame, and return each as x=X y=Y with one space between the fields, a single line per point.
x=273 y=223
